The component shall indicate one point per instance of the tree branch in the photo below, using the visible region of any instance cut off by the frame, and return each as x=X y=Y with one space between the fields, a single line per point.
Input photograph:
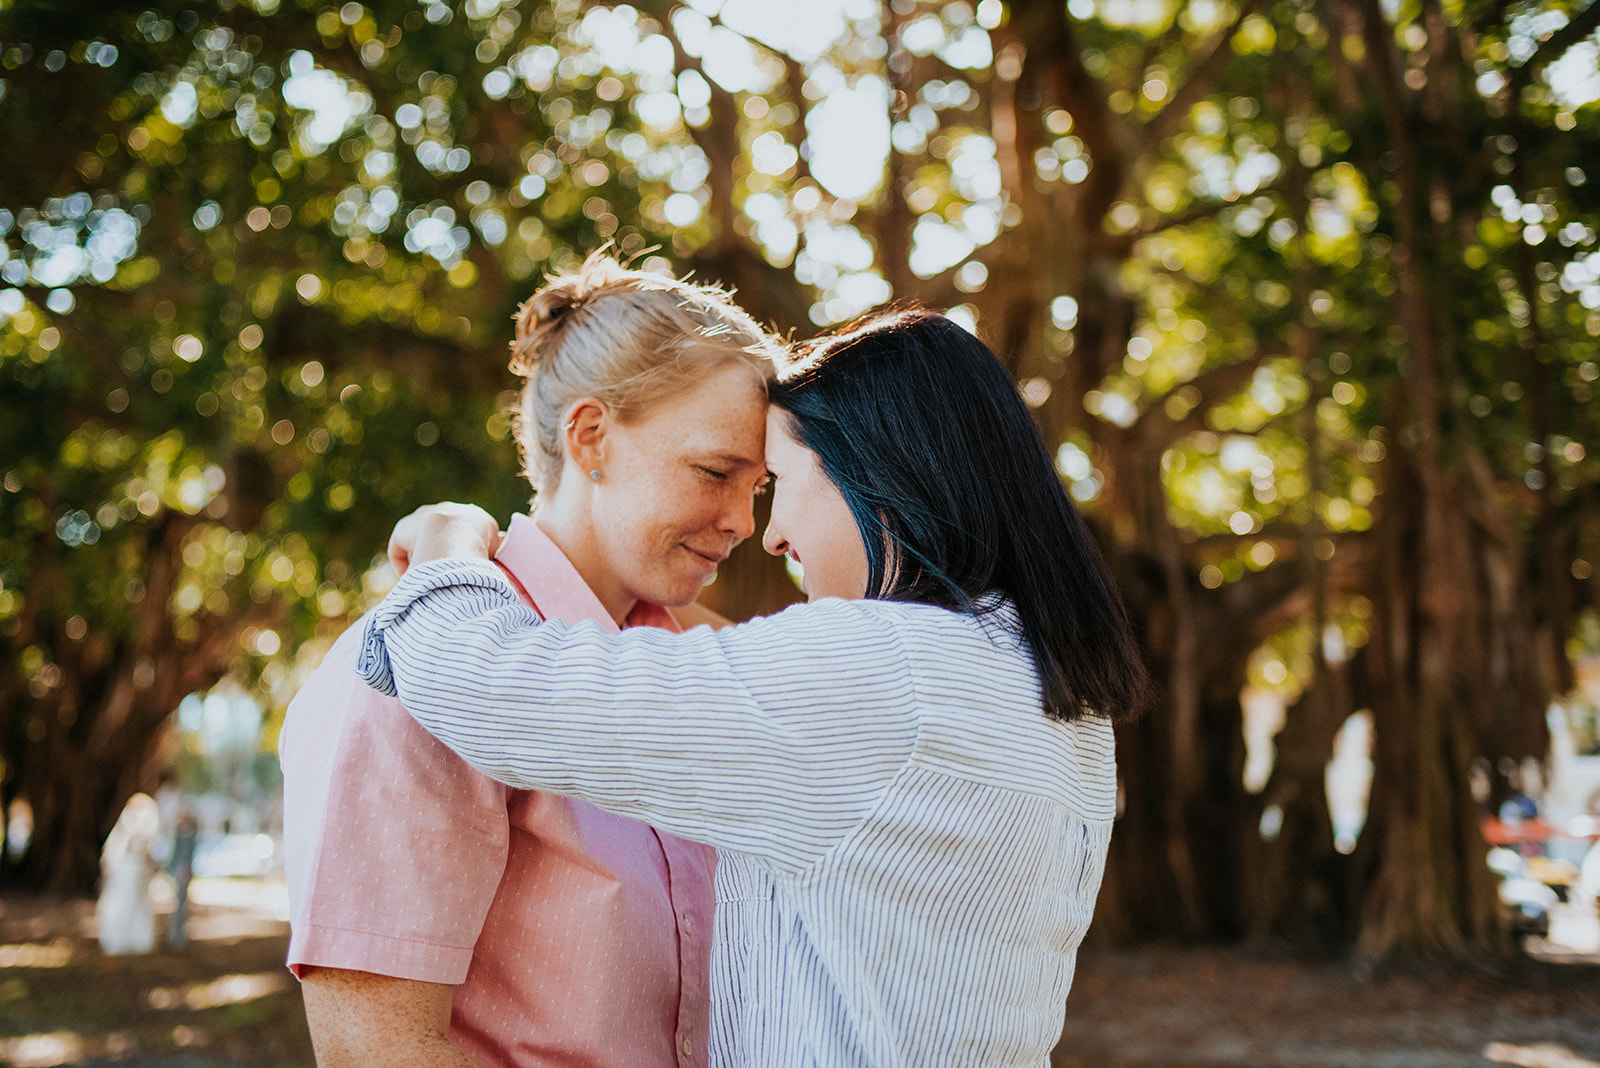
x=1200 y=213
x=1556 y=45
x=1215 y=385
x=1202 y=78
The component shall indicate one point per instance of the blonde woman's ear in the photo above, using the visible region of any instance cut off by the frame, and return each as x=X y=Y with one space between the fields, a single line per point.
x=584 y=434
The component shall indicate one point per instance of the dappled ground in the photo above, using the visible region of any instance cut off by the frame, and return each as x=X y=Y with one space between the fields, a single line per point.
x=1230 y=1009
x=228 y=1001
x=225 y=1000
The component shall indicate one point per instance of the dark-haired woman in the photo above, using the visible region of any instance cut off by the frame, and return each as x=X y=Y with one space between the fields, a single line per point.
x=910 y=779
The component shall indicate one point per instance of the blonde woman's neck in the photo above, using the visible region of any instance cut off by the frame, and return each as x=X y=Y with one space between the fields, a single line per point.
x=566 y=520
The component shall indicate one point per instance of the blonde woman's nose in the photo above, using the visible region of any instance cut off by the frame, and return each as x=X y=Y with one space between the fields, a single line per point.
x=741 y=520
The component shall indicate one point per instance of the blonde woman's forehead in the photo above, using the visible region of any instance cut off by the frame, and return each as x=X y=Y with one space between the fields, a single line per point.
x=718 y=378
x=720 y=420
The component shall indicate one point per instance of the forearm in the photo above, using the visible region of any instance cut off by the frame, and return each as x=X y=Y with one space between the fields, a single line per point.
x=362 y=1020
x=772 y=738
x=391 y=1050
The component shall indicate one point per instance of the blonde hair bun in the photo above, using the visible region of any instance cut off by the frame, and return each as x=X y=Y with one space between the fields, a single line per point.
x=624 y=337
x=558 y=303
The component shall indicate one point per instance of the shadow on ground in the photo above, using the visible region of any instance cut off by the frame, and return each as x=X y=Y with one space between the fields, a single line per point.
x=228 y=1001
x=225 y=1000
x=1227 y=1008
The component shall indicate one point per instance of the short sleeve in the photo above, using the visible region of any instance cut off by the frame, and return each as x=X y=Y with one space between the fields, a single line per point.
x=394 y=847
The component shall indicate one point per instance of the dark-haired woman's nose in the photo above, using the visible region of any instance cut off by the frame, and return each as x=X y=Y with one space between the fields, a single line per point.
x=774 y=542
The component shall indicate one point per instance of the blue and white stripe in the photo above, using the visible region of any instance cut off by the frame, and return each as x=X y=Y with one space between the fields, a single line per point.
x=910 y=849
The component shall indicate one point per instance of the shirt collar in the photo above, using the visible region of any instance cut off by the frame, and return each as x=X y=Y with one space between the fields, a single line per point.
x=547 y=578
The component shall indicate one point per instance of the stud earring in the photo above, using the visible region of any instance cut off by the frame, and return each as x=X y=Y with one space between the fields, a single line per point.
x=594 y=476
x=571 y=423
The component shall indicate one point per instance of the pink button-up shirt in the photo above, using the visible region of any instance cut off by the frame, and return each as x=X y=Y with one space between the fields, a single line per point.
x=572 y=936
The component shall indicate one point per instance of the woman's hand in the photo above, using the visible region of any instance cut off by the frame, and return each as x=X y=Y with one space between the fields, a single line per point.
x=437 y=531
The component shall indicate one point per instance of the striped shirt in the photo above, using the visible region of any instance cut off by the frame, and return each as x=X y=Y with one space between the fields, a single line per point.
x=910 y=849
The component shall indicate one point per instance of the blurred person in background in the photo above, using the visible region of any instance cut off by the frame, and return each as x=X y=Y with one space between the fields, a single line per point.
x=185 y=837
x=441 y=919
x=910 y=780
x=124 y=913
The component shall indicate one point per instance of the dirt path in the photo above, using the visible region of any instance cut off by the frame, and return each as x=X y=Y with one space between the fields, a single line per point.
x=227 y=1001
x=1223 y=1008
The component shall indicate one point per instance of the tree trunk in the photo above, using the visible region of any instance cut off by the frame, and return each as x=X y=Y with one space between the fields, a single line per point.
x=1301 y=890
x=93 y=723
x=1452 y=665
x=1432 y=640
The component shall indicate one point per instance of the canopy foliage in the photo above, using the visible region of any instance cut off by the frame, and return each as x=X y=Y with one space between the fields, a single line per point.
x=1306 y=295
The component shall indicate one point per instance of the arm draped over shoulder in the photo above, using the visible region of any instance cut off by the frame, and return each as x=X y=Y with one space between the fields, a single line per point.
x=774 y=738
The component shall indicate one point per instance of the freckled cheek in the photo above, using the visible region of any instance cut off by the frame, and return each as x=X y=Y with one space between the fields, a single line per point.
x=707 y=506
x=683 y=523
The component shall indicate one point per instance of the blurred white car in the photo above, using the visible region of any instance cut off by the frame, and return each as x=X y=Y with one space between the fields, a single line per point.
x=234 y=856
x=1529 y=903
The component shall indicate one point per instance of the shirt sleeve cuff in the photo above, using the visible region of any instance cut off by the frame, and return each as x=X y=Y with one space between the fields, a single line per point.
x=324 y=946
x=479 y=580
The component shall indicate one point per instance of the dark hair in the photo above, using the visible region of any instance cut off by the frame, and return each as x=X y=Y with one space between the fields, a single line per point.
x=926 y=437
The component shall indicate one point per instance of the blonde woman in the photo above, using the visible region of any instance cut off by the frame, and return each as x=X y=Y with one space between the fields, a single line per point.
x=442 y=919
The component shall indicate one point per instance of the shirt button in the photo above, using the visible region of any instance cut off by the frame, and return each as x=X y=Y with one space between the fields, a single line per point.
x=688 y=1047
x=688 y=925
